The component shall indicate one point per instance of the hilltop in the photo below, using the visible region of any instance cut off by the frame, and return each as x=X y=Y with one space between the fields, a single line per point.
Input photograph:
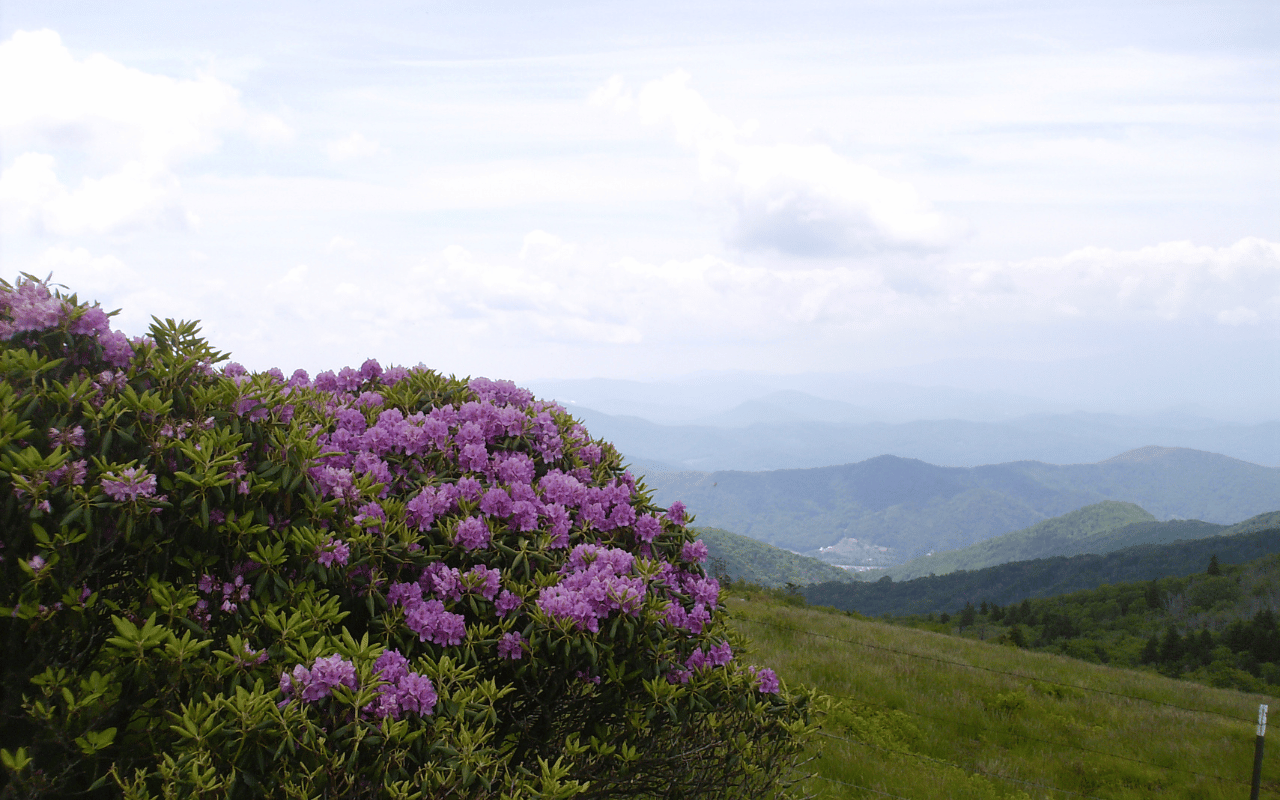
x=1069 y=534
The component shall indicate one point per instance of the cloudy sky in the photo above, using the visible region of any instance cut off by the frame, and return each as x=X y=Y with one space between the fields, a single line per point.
x=640 y=190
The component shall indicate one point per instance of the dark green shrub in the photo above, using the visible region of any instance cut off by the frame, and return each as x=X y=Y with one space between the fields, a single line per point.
x=380 y=583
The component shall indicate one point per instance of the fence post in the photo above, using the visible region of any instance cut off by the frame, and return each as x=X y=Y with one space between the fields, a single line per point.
x=1257 y=752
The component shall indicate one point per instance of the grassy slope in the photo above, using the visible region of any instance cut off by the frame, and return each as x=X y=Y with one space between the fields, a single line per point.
x=920 y=726
x=745 y=559
x=1066 y=535
x=1043 y=577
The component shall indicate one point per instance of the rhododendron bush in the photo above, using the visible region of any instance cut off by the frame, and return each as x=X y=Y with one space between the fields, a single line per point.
x=370 y=583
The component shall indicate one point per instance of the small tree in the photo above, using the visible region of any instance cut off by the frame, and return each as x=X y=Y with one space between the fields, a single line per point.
x=377 y=583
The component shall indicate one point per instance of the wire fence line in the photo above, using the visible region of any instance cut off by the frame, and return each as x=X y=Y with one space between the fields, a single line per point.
x=856 y=786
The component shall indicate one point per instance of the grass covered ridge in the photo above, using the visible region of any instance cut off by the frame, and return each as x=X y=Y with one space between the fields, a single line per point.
x=921 y=715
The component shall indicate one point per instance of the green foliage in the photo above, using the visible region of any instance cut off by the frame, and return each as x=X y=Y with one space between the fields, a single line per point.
x=744 y=559
x=185 y=553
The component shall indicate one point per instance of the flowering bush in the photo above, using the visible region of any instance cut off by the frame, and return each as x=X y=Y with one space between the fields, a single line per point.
x=373 y=583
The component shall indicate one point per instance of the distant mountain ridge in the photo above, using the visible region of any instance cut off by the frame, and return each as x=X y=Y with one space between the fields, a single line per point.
x=767 y=435
x=912 y=507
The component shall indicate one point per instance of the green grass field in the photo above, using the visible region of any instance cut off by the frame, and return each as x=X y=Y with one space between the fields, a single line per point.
x=925 y=716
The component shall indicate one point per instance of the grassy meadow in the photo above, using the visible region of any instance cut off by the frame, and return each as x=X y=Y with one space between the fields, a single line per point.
x=920 y=715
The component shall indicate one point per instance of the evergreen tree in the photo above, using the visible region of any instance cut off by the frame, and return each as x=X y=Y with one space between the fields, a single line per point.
x=1213 y=569
x=1153 y=595
x=1015 y=636
x=968 y=615
x=1171 y=648
x=984 y=609
x=1151 y=653
x=1025 y=613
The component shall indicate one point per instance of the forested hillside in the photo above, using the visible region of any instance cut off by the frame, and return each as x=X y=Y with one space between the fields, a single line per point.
x=743 y=559
x=1045 y=577
x=1070 y=534
x=1218 y=626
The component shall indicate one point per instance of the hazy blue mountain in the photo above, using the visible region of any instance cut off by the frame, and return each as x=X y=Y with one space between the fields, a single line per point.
x=803 y=435
x=912 y=507
x=974 y=389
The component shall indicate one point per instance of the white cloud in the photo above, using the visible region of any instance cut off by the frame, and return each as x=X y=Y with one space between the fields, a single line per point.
x=352 y=147
x=1170 y=281
x=800 y=199
x=543 y=246
x=123 y=131
x=136 y=194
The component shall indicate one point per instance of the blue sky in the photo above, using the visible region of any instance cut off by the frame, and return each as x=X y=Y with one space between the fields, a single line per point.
x=625 y=190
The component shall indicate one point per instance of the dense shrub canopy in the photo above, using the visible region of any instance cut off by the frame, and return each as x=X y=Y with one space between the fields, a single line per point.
x=373 y=583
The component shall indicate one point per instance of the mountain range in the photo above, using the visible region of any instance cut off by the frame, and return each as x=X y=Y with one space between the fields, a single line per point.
x=774 y=433
x=898 y=508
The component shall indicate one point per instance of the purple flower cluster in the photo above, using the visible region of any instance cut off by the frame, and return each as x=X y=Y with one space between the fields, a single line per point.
x=333 y=552
x=511 y=645
x=232 y=592
x=427 y=618
x=31 y=307
x=717 y=656
x=404 y=691
x=694 y=552
x=132 y=483
x=318 y=682
x=766 y=681
x=597 y=581
x=250 y=658
x=72 y=473
x=704 y=593
x=71 y=437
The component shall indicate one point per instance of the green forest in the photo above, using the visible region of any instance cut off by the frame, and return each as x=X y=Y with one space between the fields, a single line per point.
x=1042 y=577
x=1218 y=627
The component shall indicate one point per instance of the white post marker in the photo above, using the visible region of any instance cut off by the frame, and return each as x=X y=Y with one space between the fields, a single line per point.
x=1257 y=751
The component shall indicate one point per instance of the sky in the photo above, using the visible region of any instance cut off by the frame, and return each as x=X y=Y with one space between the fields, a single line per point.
x=935 y=190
